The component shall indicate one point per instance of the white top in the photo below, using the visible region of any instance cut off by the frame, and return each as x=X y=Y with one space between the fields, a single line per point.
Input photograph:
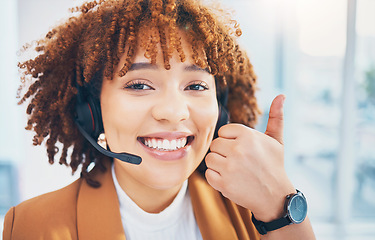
x=177 y=221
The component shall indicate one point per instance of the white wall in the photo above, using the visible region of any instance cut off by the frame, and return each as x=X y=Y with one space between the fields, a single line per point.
x=36 y=175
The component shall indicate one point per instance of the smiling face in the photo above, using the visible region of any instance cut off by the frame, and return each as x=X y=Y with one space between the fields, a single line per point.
x=167 y=117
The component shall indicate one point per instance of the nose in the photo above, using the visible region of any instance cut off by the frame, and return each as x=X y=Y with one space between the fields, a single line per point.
x=171 y=107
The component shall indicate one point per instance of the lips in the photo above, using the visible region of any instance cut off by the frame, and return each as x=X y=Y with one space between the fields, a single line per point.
x=166 y=144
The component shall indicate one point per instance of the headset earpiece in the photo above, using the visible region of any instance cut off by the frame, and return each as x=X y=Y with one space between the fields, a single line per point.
x=89 y=115
x=96 y=116
x=222 y=120
x=89 y=122
x=222 y=98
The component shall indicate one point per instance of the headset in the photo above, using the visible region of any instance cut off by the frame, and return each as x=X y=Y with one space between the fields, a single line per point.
x=224 y=117
x=90 y=124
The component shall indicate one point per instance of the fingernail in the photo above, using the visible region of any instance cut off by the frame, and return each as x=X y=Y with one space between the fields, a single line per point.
x=283 y=100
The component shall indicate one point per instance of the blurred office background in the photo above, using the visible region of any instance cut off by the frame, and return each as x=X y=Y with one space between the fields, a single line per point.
x=320 y=53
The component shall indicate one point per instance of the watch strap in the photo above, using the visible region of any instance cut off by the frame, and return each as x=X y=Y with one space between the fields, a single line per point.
x=263 y=227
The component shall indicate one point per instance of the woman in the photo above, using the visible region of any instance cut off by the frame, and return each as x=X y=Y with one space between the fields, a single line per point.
x=152 y=81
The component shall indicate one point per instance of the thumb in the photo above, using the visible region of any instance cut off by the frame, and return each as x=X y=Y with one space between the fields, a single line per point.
x=275 y=125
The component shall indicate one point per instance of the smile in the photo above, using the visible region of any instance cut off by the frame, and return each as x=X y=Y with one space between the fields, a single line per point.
x=162 y=144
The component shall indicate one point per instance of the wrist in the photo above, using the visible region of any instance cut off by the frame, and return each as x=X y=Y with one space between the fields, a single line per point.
x=275 y=209
x=295 y=213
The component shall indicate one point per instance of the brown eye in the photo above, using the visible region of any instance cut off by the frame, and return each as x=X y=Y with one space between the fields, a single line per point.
x=201 y=86
x=138 y=85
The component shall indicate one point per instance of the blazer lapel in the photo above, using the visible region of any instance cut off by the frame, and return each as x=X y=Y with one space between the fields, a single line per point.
x=209 y=209
x=98 y=214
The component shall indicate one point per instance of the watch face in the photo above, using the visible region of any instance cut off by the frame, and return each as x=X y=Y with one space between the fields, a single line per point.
x=297 y=208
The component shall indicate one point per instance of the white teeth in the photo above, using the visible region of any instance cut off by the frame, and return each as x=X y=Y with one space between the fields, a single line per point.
x=159 y=145
x=165 y=144
x=152 y=143
x=173 y=144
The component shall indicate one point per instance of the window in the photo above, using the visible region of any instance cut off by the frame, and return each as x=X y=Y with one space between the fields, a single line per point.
x=311 y=51
x=364 y=194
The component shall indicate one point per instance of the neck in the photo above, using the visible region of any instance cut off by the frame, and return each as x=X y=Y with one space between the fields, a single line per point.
x=149 y=199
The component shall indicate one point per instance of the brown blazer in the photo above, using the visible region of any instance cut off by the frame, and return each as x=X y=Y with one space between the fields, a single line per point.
x=79 y=211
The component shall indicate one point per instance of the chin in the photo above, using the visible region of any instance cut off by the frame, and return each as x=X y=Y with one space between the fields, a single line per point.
x=166 y=177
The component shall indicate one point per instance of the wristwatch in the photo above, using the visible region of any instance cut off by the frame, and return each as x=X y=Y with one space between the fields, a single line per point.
x=296 y=211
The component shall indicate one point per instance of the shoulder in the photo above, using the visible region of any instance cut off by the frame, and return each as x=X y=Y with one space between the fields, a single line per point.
x=52 y=203
x=208 y=202
x=51 y=211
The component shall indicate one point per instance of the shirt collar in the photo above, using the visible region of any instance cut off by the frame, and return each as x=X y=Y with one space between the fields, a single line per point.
x=153 y=221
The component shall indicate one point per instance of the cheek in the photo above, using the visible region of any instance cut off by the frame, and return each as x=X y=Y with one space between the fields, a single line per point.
x=118 y=115
x=121 y=120
x=205 y=117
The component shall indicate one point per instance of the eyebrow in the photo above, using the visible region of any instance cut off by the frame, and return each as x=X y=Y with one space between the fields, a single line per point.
x=142 y=65
x=146 y=65
x=194 y=68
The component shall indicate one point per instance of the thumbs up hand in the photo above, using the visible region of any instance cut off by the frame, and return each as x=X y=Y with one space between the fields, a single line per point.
x=247 y=166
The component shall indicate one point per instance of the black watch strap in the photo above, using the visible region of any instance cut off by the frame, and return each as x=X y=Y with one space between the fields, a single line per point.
x=263 y=227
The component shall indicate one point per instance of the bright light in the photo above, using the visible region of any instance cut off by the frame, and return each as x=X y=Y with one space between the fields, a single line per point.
x=322 y=27
x=366 y=18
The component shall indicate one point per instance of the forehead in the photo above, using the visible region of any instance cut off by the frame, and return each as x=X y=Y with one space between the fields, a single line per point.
x=144 y=65
x=143 y=59
x=150 y=41
x=165 y=48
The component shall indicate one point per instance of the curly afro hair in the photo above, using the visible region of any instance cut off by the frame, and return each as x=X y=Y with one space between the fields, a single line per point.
x=93 y=40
